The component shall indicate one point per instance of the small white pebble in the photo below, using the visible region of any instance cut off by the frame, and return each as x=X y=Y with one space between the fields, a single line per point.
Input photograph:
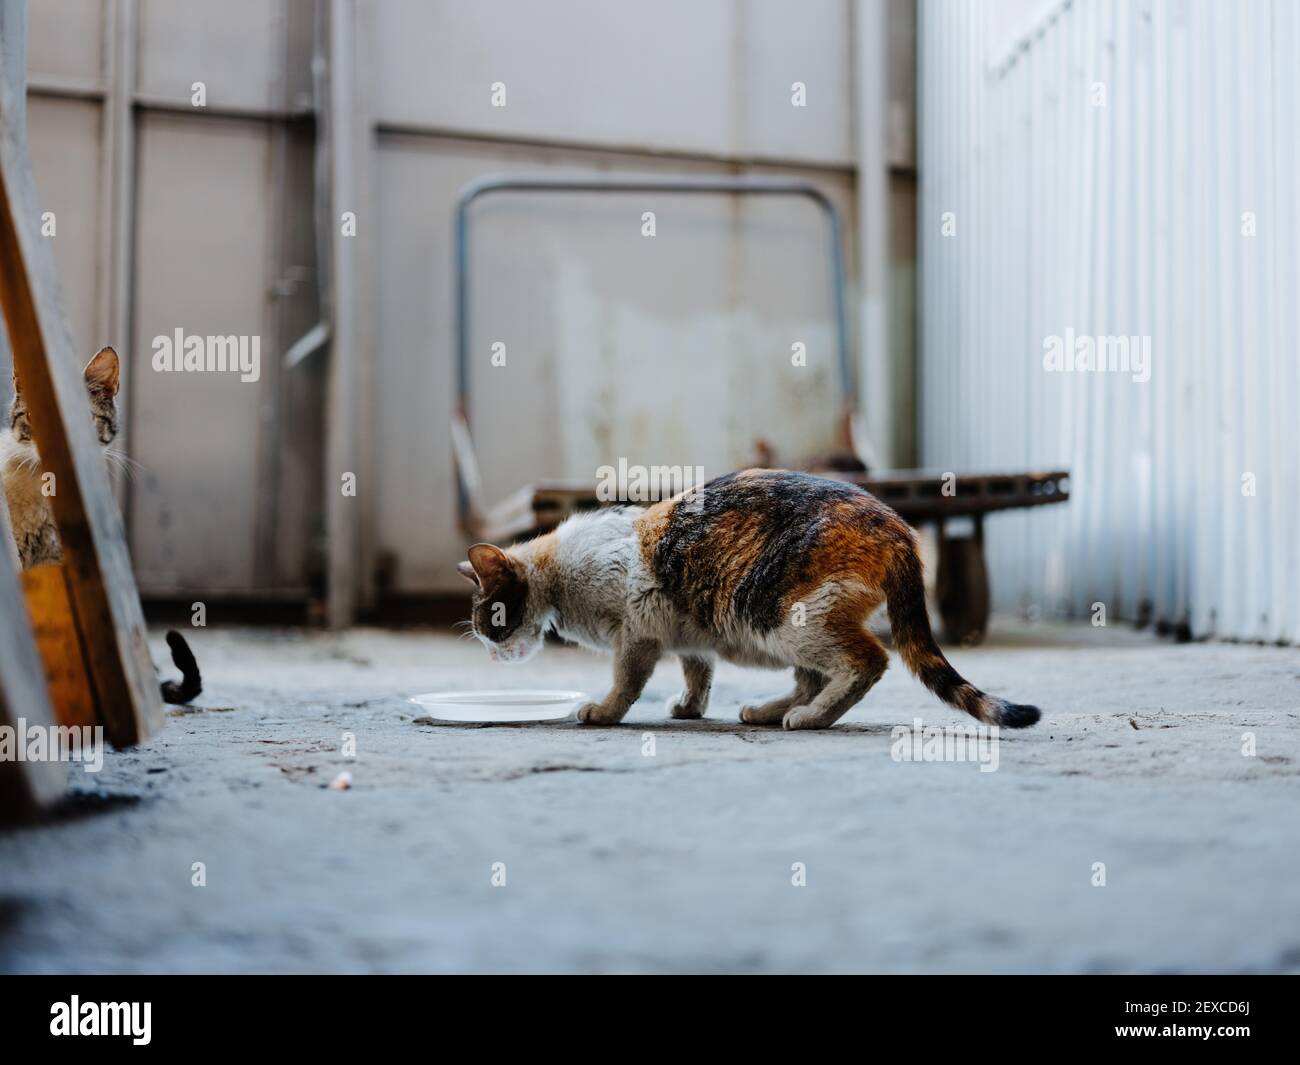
x=342 y=782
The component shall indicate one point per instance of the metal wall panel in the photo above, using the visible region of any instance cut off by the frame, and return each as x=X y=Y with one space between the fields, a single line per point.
x=65 y=40
x=1122 y=216
x=65 y=46
x=254 y=529
x=229 y=497
x=293 y=454
x=711 y=78
x=201 y=255
x=64 y=138
x=666 y=350
x=233 y=47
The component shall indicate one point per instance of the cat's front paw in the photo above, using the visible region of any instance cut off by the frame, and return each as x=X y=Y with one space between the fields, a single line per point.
x=597 y=714
x=682 y=709
x=801 y=717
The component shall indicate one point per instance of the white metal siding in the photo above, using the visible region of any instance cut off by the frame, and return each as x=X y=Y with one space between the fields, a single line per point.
x=1123 y=219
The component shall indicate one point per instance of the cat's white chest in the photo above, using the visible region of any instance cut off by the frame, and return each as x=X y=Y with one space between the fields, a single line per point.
x=595 y=633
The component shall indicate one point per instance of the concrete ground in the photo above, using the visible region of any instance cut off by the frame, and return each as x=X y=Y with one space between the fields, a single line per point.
x=683 y=860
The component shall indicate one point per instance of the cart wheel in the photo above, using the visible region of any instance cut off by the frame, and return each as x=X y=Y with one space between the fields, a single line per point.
x=963 y=591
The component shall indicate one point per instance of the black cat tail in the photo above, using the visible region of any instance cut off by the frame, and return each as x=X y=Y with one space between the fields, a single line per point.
x=910 y=623
x=191 y=683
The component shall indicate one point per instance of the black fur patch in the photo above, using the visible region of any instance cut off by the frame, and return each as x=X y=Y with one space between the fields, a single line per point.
x=511 y=594
x=191 y=683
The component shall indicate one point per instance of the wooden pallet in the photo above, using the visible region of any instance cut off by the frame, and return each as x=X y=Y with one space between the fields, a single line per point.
x=84 y=615
x=920 y=496
x=917 y=496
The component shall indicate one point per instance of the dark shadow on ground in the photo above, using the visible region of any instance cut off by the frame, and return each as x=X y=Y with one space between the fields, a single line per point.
x=75 y=806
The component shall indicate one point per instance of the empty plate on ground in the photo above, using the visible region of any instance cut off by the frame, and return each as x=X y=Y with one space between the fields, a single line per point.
x=501 y=706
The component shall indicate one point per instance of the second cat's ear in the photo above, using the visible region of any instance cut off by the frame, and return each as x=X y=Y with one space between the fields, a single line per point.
x=102 y=372
x=490 y=564
x=467 y=571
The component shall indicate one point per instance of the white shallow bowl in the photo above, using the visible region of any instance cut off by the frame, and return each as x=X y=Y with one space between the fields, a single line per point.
x=501 y=706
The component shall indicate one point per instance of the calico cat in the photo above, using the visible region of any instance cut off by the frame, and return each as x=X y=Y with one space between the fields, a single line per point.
x=35 y=533
x=764 y=568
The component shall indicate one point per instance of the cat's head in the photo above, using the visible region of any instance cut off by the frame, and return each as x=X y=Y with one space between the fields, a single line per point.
x=101 y=376
x=502 y=618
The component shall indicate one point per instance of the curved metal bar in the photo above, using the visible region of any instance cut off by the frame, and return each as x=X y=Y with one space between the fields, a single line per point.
x=624 y=183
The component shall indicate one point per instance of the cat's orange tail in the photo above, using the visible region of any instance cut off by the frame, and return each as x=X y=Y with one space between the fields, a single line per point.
x=910 y=623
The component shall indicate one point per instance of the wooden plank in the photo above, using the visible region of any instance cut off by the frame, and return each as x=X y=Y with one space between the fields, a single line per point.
x=60 y=643
x=917 y=496
x=100 y=580
x=24 y=786
x=13 y=69
x=24 y=699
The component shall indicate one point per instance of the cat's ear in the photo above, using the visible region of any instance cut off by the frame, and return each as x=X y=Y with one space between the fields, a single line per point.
x=467 y=571
x=102 y=372
x=491 y=565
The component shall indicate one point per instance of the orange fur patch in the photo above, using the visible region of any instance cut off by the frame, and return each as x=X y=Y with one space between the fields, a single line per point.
x=540 y=552
x=848 y=552
x=651 y=526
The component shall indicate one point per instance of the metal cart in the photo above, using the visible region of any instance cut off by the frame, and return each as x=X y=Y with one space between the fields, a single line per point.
x=918 y=496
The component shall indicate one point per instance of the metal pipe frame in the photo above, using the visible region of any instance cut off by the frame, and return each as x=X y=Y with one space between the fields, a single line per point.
x=492 y=184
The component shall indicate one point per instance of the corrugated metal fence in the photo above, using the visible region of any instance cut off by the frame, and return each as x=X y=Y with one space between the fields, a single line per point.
x=1121 y=179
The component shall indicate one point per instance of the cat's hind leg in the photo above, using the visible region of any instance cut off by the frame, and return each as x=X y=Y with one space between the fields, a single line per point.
x=691 y=703
x=853 y=667
x=634 y=661
x=807 y=683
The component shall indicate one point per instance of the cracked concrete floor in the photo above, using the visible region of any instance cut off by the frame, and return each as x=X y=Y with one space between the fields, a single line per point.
x=680 y=861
